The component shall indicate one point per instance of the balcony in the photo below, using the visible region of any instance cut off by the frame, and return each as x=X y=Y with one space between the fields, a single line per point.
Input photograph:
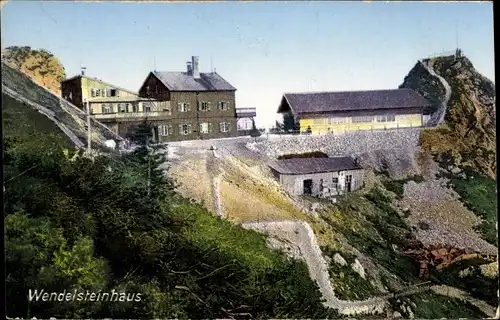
x=246 y=112
x=131 y=115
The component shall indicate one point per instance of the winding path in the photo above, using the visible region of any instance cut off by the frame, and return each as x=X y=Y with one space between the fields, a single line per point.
x=438 y=116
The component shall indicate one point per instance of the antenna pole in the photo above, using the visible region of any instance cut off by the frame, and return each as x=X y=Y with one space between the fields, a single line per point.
x=154 y=62
x=211 y=65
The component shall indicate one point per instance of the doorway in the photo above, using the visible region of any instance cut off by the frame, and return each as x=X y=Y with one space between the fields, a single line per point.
x=348 y=183
x=308 y=186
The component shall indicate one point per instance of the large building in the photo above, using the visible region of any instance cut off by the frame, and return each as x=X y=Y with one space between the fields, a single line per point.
x=120 y=109
x=178 y=105
x=202 y=105
x=320 y=177
x=325 y=112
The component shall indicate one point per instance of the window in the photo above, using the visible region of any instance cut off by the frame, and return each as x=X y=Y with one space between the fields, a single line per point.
x=204 y=127
x=362 y=119
x=335 y=183
x=93 y=92
x=184 y=129
x=225 y=126
x=386 y=118
x=337 y=120
x=113 y=93
x=133 y=107
x=183 y=107
x=165 y=130
x=107 y=108
x=97 y=92
x=204 y=106
x=146 y=107
x=122 y=107
x=164 y=106
x=223 y=105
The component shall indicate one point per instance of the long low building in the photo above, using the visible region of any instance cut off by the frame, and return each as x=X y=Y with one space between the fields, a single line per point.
x=325 y=112
x=321 y=177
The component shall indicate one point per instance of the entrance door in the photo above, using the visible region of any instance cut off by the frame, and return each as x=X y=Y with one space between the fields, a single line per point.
x=348 y=183
x=308 y=186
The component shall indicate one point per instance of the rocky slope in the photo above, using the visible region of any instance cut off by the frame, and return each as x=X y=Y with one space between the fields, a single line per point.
x=467 y=137
x=40 y=65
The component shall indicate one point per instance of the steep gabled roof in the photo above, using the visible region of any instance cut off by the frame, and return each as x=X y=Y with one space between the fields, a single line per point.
x=313 y=165
x=351 y=100
x=182 y=81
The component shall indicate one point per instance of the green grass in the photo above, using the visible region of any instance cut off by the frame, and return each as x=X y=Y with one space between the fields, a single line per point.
x=373 y=231
x=434 y=306
x=349 y=285
x=479 y=195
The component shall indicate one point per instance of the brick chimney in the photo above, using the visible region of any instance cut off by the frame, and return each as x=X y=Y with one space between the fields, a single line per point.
x=189 y=68
x=196 y=67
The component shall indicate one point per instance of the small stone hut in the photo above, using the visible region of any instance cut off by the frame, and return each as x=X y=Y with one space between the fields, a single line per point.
x=319 y=177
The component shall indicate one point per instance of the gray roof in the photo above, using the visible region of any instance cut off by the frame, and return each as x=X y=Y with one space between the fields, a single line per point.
x=181 y=81
x=352 y=100
x=313 y=165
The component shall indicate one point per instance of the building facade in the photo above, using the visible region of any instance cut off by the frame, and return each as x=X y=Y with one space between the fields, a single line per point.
x=119 y=109
x=202 y=105
x=319 y=177
x=331 y=112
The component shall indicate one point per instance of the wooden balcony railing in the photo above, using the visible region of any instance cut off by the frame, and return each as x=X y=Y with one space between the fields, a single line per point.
x=125 y=115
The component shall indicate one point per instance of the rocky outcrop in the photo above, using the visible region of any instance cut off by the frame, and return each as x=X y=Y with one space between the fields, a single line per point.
x=451 y=83
x=40 y=65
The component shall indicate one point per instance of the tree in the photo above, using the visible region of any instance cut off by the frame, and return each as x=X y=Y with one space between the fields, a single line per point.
x=255 y=133
x=290 y=123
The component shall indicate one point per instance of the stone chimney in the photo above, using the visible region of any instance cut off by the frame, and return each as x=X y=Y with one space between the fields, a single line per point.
x=83 y=71
x=189 y=68
x=196 y=67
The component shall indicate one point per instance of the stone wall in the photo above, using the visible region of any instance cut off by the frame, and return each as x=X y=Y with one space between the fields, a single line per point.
x=382 y=150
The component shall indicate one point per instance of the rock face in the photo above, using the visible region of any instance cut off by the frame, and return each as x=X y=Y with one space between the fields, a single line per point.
x=468 y=139
x=40 y=65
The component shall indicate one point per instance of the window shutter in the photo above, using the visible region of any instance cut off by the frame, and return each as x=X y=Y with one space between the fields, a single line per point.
x=221 y=124
x=209 y=104
x=228 y=125
x=188 y=106
x=189 y=128
x=179 y=105
x=228 y=105
x=199 y=105
x=170 y=129
x=219 y=105
x=180 y=129
x=210 y=127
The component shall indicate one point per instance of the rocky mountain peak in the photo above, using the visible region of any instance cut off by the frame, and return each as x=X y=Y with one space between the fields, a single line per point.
x=466 y=100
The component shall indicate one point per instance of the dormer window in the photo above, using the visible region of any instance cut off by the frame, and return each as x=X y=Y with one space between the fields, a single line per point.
x=113 y=92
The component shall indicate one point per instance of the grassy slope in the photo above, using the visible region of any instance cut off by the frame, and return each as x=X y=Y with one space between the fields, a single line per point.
x=479 y=195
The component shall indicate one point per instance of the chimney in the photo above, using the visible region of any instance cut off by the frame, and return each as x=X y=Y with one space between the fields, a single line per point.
x=83 y=71
x=196 y=67
x=189 y=68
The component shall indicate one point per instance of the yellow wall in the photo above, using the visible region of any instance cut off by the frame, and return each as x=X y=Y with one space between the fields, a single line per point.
x=321 y=125
x=88 y=84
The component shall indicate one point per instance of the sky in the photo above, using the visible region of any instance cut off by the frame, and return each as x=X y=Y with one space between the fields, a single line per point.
x=264 y=49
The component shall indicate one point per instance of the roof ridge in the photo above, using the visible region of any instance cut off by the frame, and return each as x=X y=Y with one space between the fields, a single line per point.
x=349 y=91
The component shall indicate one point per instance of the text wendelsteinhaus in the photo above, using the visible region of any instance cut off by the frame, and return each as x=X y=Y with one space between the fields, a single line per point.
x=74 y=295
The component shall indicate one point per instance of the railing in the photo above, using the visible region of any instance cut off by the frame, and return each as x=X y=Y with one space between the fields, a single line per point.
x=246 y=112
x=125 y=115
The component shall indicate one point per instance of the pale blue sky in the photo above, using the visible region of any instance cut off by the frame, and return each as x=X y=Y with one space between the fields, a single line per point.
x=262 y=48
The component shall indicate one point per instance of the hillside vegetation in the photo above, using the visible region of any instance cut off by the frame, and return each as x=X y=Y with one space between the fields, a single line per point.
x=40 y=65
x=75 y=223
